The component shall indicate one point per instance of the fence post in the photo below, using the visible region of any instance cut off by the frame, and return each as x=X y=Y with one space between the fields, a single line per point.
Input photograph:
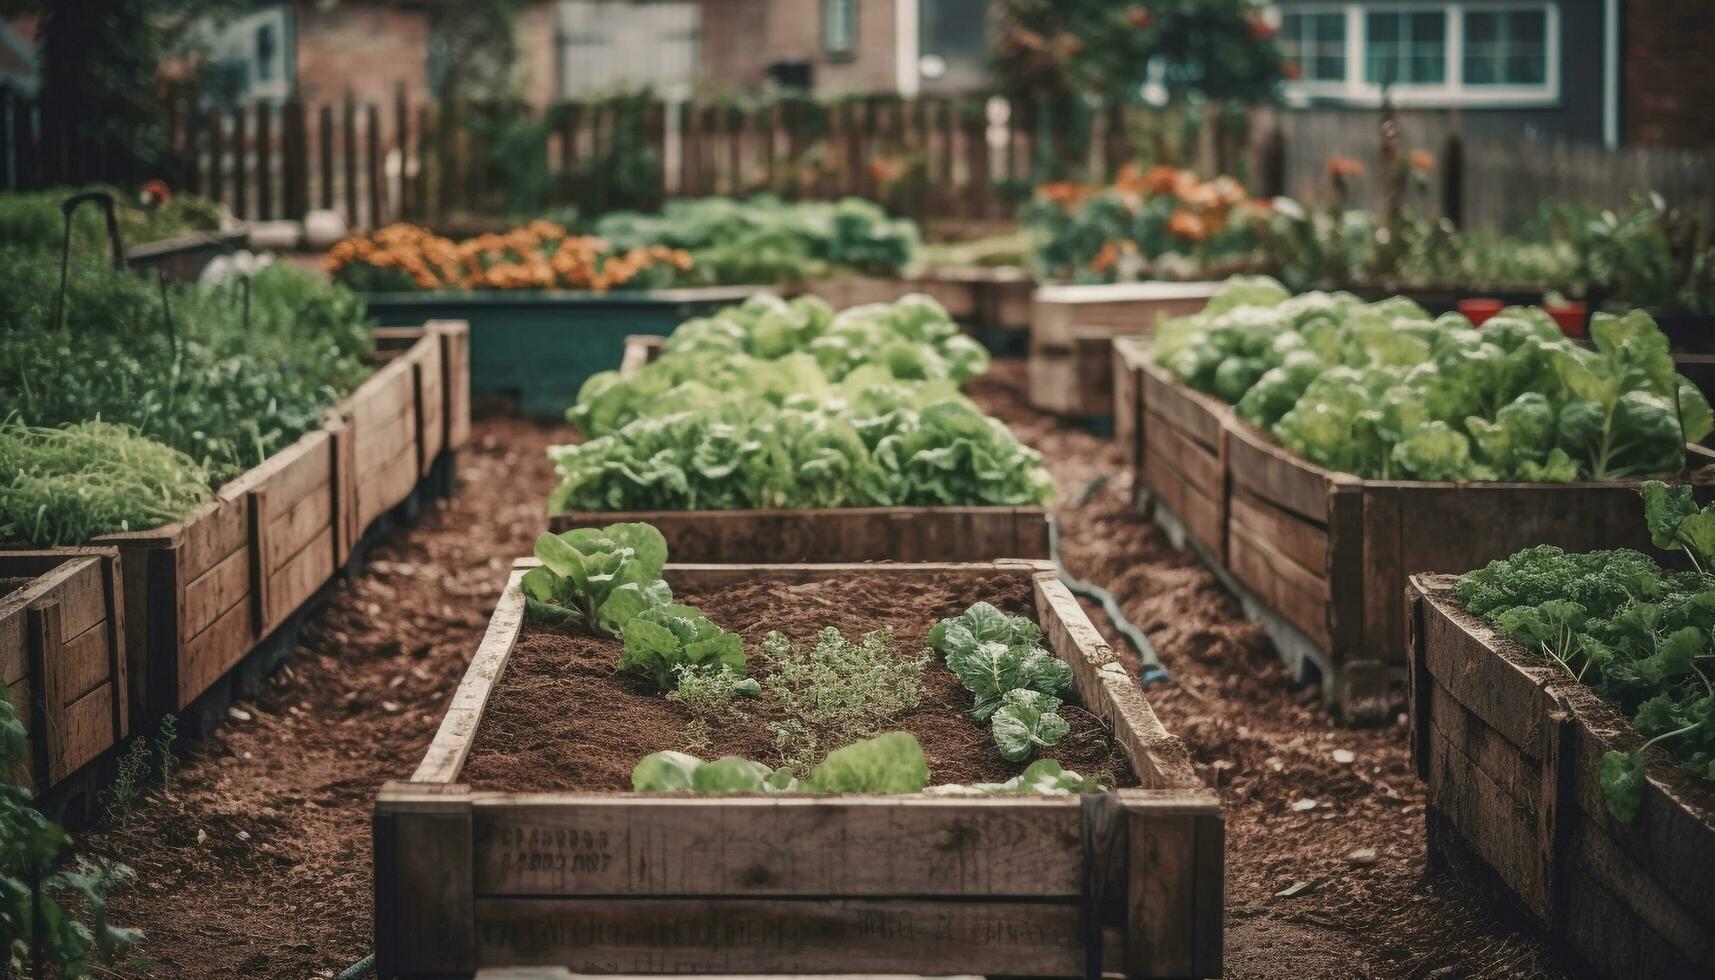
x=974 y=121
x=402 y=138
x=372 y=136
x=1271 y=163
x=295 y=165
x=324 y=147
x=349 y=151
x=1453 y=180
x=264 y=161
x=240 y=192
x=655 y=137
x=216 y=150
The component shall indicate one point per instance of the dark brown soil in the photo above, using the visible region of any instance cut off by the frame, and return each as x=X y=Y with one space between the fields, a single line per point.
x=562 y=716
x=257 y=861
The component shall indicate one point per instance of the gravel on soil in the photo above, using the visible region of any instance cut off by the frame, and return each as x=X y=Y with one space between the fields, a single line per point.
x=256 y=861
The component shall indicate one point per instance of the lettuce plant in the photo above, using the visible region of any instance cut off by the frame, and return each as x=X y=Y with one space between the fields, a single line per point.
x=599 y=578
x=891 y=763
x=666 y=640
x=999 y=659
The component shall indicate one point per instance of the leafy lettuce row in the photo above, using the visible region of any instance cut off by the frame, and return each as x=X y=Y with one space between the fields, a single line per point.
x=1385 y=391
x=1638 y=635
x=773 y=349
x=830 y=417
x=891 y=763
x=1017 y=684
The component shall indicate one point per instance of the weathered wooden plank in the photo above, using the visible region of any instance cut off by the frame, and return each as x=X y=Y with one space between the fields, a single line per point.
x=83 y=662
x=208 y=596
x=1256 y=464
x=783 y=936
x=455 y=357
x=1197 y=415
x=1119 y=308
x=292 y=583
x=837 y=534
x=1299 y=595
x=1161 y=921
x=1128 y=398
x=451 y=744
x=621 y=845
x=1197 y=463
x=86 y=731
x=1382 y=515
x=297 y=523
x=203 y=658
x=1499 y=829
x=1508 y=697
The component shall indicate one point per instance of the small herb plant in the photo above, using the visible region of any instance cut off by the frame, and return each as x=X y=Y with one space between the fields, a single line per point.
x=837 y=690
x=1638 y=635
x=1017 y=684
x=713 y=696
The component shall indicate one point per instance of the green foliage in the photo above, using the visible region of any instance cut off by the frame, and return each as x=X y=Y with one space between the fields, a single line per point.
x=65 y=486
x=599 y=578
x=713 y=696
x=666 y=641
x=765 y=240
x=44 y=902
x=165 y=737
x=1383 y=391
x=1218 y=50
x=773 y=404
x=32 y=220
x=890 y=763
x=836 y=690
x=1017 y=683
x=129 y=779
x=1615 y=620
x=1025 y=720
x=188 y=372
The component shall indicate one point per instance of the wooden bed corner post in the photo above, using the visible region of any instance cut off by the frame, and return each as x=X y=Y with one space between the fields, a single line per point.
x=1558 y=813
x=1418 y=688
x=425 y=918
x=1173 y=888
x=44 y=637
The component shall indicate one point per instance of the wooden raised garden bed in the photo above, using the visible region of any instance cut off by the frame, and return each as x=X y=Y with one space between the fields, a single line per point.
x=1071 y=333
x=205 y=592
x=1321 y=558
x=469 y=879
x=1510 y=746
x=828 y=534
x=183 y=258
x=62 y=656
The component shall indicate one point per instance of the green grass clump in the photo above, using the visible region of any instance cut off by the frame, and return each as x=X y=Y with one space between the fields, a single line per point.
x=64 y=486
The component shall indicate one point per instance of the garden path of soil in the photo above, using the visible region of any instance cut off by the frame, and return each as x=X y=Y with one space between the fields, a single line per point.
x=257 y=863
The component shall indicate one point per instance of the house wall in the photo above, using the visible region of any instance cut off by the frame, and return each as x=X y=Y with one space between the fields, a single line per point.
x=367 y=48
x=741 y=38
x=1668 y=86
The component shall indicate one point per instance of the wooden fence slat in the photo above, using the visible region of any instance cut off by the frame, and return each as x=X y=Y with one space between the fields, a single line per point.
x=216 y=166
x=324 y=146
x=265 y=161
x=348 y=151
x=372 y=137
x=240 y=139
x=402 y=140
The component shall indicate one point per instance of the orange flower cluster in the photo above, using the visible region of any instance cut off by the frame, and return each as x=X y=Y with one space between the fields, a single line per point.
x=537 y=255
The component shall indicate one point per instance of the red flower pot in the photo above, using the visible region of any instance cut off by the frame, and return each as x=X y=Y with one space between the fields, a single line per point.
x=1480 y=308
x=1572 y=317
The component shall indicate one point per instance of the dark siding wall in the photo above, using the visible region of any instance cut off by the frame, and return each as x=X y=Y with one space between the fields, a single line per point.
x=1669 y=81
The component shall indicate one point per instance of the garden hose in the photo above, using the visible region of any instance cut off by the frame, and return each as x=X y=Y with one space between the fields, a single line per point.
x=1151 y=670
x=362 y=968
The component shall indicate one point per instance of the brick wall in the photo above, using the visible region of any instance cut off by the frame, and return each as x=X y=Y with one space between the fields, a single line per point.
x=1668 y=89
x=538 y=78
x=740 y=38
x=367 y=48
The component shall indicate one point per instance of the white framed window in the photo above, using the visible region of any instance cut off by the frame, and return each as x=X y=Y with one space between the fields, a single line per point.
x=839 y=28
x=1448 y=53
x=1314 y=39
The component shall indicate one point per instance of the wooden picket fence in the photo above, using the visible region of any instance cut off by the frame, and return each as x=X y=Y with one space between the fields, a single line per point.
x=969 y=157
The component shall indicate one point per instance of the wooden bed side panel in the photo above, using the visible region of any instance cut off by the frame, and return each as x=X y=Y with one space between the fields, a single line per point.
x=1128 y=399
x=838 y=534
x=1204 y=517
x=1256 y=464
x=1198 y=415
x=455 y=360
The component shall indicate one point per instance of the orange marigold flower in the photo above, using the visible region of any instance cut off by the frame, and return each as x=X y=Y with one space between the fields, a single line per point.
x=1106 y=258
x=1422 y=160
x=1184 y=224
x=1138 y=16
x=1339 y=166
x=1291 y=70
x=1161 y=179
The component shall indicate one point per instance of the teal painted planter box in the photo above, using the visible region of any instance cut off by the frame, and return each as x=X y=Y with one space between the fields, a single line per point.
x=540 y=346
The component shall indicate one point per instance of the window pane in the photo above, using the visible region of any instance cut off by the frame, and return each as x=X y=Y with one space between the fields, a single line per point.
x=1506 y=47
x=1316 y=43
x=839 y=26
x=1406 y=48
